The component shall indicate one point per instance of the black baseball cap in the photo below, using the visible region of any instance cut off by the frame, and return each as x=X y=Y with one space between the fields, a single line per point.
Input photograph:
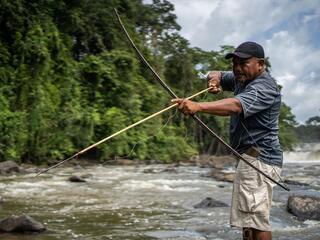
x=247 y=50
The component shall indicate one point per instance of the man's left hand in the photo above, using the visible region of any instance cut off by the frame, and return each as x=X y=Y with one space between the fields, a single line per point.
x=187 y=106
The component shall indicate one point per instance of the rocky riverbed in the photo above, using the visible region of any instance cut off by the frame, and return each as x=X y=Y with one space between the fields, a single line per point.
x=146 y=202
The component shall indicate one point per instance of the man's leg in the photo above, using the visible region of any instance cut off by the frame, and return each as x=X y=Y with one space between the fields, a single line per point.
x=247 y=234
x=261 y=235
x=255 y=234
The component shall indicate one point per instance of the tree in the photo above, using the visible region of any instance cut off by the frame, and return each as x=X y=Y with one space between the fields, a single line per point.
x=287 y=123
x=314 y=121
x=69 y=78
x=310 y=131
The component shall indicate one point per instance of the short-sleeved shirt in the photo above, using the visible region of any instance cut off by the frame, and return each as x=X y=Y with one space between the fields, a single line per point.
x=257 y=125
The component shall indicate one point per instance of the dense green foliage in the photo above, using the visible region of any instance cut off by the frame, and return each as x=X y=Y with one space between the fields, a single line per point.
x=287 y=123
x=69 y=79
x=310 y=131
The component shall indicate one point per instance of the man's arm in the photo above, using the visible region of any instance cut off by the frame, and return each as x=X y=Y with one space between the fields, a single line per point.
x=224 y=107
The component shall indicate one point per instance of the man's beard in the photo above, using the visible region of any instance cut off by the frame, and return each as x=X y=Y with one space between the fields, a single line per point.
x=240 y=77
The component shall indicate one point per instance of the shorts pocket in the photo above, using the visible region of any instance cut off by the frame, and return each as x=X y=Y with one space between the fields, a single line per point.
x=253 y=199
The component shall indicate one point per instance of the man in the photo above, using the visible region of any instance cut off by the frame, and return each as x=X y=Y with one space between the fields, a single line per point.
x=254 y=112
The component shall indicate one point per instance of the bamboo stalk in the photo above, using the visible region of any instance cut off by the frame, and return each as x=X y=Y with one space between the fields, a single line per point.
x=119 y=132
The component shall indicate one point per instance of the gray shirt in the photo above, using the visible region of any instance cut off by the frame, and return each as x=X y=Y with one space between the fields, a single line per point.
x=257 y=125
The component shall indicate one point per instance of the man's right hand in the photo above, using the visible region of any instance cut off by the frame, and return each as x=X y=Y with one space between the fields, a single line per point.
x=213 y=81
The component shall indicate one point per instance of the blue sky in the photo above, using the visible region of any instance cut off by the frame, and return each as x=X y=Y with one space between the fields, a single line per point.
x=289 y=30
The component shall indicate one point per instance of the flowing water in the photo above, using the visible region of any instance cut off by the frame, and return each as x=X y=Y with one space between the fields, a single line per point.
x=132 y=202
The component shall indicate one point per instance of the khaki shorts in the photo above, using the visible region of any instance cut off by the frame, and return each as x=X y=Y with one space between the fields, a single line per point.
x=252 y=195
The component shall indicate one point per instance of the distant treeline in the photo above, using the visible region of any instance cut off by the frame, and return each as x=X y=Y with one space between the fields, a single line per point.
x=310 y=131
x=68 y=79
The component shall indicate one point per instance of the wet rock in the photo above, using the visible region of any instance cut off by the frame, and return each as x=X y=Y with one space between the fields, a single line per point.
x=170 y=169
x=218 y=162
x=160 y=170
x=124 y=162
x=8 y=167
x=210 y=203
x=28 y=168
x=153 y=161
x=76 y=179
x=293 y=182
x=221 y=175
x=150 y=170
x=304 y=207
x=23 y=223
x=222 y=161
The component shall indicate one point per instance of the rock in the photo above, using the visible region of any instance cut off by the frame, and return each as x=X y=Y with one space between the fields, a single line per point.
x=170 y=169
x=210 y=203
x=9 y=167
x=304 y=207
x=150 y=170
x=219 y=162
x=27 y=168
x=124 y=162
x=293 y=182
x=23 y=223
x=221 y=175
x=76 y=179
x=222 y=161
x=160 y=170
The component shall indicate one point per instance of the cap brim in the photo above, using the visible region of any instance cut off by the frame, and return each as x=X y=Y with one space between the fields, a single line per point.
x=237 y=54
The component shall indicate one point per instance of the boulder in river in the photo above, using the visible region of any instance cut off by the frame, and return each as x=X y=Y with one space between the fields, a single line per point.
x=9 y=167
x=23 y=223
x=170 y=169
x=221 y=175
x=218 y=162
x=304 y=207
x=210 y=203
x=294 y=182
x=76 y=179
x=124 y=162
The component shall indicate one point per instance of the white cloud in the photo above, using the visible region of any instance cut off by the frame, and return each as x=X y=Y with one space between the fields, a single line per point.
x=295 y=66
x=282 y=27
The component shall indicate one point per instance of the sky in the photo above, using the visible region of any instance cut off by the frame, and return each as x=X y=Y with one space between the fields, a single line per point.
x=289 y=31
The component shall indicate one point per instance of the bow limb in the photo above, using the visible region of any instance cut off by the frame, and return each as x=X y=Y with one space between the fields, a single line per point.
x=196 y=118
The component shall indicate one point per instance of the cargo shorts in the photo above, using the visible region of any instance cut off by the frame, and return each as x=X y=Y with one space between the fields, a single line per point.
x=252 y=195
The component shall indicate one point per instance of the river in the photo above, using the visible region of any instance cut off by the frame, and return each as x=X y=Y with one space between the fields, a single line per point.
x=144 y=202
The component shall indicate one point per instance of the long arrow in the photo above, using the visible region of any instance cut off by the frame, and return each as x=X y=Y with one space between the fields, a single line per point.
x=196 y=118
x=119 y=132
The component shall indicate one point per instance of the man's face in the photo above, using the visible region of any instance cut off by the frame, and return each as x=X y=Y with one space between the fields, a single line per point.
x=247 y=68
